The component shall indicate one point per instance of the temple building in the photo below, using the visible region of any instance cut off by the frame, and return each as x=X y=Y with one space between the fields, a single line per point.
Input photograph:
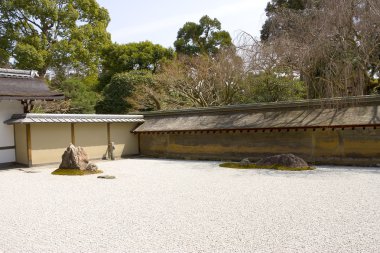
x=18 y=90
x=339 y=131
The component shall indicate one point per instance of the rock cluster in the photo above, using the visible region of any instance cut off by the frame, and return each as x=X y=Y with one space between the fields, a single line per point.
x=286 y=160
x=76 y=158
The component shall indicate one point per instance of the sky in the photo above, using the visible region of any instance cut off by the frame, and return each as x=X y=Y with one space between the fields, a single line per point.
x=159 y=21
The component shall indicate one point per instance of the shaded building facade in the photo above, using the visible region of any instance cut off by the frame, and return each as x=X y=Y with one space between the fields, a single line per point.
x=18 y=90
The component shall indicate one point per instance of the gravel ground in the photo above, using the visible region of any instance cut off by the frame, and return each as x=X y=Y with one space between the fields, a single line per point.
x=187 y=206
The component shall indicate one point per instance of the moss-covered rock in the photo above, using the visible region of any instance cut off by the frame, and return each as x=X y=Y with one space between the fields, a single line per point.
x=283 y=160
x=255 y=166
x=75 y=172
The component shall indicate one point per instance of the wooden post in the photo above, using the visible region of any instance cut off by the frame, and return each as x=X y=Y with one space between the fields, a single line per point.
x=341 y=143
x=73 y=133
x=139 y=142
x=108 y=133
x=313 y=145
x=14 y=140
x=29 y=145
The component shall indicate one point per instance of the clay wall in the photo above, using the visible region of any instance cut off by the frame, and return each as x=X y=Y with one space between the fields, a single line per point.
x=341 y=146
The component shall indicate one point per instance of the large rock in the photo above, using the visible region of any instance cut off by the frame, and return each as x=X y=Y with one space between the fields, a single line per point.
x=76 y=158
x=287 y=160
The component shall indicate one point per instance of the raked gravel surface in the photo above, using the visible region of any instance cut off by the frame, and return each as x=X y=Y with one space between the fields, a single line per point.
x=190 y=206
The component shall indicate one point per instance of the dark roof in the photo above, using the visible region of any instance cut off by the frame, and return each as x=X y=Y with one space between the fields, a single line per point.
x=18 y=85
x=266 y=116
x=301 y=104
x=72 y=118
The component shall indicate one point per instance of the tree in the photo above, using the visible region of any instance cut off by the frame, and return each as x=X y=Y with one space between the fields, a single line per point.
x=120 y=88
x=269 y=79
x=133 y=56
x=203 y=38
x=5 y=42
x=201 y=81
x=62 y=35
x=149 y=95
x=271 y=28
x=81 y=94
x=335 y=46
x=273 y=87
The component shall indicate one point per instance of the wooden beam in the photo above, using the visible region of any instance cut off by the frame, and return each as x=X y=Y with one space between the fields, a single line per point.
x=28 y=105
x=7 y=147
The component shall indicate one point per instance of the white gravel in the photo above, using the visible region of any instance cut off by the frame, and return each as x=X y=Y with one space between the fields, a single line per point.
x=186 y=206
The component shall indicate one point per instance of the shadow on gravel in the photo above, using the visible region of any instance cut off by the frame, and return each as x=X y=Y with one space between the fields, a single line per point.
x=323 y=171
x=17 y=167
x=374 y=170
x=8 y=167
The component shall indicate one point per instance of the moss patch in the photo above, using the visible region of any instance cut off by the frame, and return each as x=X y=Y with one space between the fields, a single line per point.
x=74 y=172
x=254 y=166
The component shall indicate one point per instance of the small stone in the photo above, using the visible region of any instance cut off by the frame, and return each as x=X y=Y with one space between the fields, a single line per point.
x=245 y=162
x=91 y=167
x=107 y=177
x=30 y=171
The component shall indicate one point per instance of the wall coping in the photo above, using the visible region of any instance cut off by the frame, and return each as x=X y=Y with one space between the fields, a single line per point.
x=72 y=118
x=301 y=104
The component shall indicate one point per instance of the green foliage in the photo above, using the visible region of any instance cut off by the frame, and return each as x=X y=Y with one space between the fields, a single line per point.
x=80 y=92
x=74 y=172
x=6 y=36
x=375 y=87
x=28 y=57
x=133 y=56
x=275 y=5
x=121 y=87
x=271 y=29
x=53 y=34
x=269 y=87
x=203 y=38
x=254 y=166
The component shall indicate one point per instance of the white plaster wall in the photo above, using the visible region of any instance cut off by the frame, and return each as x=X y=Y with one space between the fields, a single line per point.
x=7 y=108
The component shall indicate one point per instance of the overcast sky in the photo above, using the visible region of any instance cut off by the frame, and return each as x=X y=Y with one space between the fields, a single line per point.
x=159 y=21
